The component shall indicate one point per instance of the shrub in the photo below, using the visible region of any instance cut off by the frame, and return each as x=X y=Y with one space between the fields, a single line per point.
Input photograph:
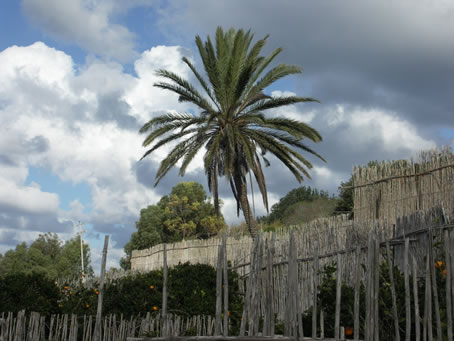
x=33 y=292
x=191 y=291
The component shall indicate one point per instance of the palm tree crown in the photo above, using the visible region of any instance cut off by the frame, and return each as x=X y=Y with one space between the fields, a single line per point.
x=231 y=125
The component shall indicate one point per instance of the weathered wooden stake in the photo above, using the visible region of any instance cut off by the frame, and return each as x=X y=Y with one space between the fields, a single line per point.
x=164 y=318
x=407 y=292
x=434 y=288
x=393 y=292
x=448 y=284
x=314 y=295
x=218 y=326
x=338 y=297
x=416 y=299
x=97 y=335
x=369 y=328
x=376 y=287
x=226 y=286
x=427 y=330
x=357 y=287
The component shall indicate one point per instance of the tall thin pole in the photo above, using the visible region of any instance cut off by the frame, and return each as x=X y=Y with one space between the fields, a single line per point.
x=97 y=336
x=81 y=251
x=165 y=326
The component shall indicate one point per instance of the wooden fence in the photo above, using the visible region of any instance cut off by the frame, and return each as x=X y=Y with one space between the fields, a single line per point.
x=35 y=327
x=282 y=281
x=282 y=291
x=391 y=189
x=289 y=287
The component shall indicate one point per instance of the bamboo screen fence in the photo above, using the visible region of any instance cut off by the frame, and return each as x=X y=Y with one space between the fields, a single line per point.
x=391 y=189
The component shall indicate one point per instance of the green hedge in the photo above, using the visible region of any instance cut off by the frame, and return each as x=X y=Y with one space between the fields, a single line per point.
x=33 y=292
x=192 y=291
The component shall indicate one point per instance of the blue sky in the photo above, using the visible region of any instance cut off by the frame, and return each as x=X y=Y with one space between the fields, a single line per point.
x=76 y=83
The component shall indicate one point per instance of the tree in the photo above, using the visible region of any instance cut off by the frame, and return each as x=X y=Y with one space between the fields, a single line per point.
x=231 y=125
x=345 y=202
x=47 y=255
x=281 y=209
x=185 y=213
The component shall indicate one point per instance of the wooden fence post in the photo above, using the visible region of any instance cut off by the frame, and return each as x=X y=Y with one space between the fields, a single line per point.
x=415 y=297
x=407 y=292
x=226 y=286
x=393 y=292
x=427 y=329
x=338 y=297
x=376 y=287
x=357 y=289
x=448 y=284
x=435 y=288
x=164 y=318
x=218 y=325
x=314 y=295
x=369 y=328
x=97 y=335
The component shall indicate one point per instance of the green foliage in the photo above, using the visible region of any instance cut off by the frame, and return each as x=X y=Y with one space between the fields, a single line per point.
x=293 y=208
x=47 y=255
x=327 y=301
x=33 y=292
x=345 y=203
x=185 y=213
x=191 y=288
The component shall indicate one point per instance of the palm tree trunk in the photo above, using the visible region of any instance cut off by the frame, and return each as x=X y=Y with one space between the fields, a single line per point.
x=215 y=190
x=245 y=207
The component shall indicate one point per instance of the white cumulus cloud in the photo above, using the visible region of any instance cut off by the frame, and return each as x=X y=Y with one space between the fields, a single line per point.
x=85 y=23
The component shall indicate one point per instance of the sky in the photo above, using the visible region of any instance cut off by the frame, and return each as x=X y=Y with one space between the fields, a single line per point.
x=76 y=85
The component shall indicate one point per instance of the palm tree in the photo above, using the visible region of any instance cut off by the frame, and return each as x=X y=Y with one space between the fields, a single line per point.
x=231 y=125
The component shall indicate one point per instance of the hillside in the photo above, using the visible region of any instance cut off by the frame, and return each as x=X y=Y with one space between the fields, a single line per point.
x=305 y=211
x=301 y=205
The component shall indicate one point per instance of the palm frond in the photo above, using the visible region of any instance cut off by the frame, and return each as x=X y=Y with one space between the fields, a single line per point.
x=168 y=139
x=276 y=102
x=170 y=118
x=202 y=82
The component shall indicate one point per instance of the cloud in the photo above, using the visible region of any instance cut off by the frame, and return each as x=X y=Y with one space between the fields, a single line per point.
x=394 y=56
x=81 y=124
x=26 y=198
x=385 y=89
x=87 y=24
x=147 y=100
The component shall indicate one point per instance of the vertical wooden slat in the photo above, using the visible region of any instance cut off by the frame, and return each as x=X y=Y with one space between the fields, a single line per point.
x=416 y=300
x=273 y=245
x=97 y=336
x=448 y=284
x=218 y=325
x=315 y=294
x=428 y=333
x=407 y=292
x=393 y=292
x=268 y=289
x=338 y=297
x=164 y=317
x=451 y=260
x=256 y=293
x=357 y=289
x=226 y=286
x=376 y=287
x=434 y=288
x=369 y=330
